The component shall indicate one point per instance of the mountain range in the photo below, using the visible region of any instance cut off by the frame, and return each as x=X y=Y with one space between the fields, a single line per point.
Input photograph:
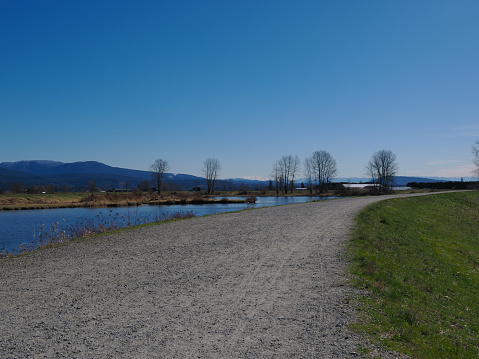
x=77 y=175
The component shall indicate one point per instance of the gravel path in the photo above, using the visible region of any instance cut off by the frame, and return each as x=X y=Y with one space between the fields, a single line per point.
x=255 y=284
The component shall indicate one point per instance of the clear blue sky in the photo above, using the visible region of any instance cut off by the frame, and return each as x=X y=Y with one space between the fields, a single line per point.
x=126 y=82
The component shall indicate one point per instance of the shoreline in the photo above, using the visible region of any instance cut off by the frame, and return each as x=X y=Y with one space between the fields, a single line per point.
x=192 y=288
x=168 y=202
x=100 y=202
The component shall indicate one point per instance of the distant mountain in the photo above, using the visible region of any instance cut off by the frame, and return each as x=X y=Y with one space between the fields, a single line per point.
x=447 y=179
x=403 y=180
x=78 y=174
x=55 y=168
x=33 y=167
x=13 y=175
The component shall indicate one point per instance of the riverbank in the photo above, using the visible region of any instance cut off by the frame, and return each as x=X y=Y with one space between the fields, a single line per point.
x=262 y=283
x=119 y=199
x=92 y=200
x=248 y=284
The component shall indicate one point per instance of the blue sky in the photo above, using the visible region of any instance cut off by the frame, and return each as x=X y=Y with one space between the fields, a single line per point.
x=246 y=82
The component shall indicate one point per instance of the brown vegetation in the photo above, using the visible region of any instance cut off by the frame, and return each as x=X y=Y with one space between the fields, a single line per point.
x=110 y=199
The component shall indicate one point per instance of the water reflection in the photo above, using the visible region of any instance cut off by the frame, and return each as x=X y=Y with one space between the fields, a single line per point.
x=19 y=227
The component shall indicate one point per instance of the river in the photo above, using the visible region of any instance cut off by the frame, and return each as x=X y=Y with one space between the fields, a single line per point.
x=25 y=227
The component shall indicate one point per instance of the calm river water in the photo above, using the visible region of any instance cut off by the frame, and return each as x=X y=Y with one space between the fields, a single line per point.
x=21 y=227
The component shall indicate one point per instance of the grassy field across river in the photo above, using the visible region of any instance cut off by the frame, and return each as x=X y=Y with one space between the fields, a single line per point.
x=136 y=198
x=417 y=259
x=110 y=199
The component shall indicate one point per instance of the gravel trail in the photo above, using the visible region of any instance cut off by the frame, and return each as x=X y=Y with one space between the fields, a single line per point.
x=267 y=283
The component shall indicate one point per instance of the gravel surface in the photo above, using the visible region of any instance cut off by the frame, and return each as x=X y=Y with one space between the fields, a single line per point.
x=266 y=283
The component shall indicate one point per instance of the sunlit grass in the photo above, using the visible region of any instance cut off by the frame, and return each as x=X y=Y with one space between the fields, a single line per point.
x=418 y=260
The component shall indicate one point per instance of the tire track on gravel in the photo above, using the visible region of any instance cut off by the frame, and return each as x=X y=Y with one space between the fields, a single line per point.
x=262 y=283
x=272 y=281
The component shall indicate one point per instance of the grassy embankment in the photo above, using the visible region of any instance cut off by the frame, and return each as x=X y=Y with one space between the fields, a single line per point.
x=418 y=260
x=70 y=200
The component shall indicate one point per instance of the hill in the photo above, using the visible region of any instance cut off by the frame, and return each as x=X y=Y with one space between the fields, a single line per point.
x=77 y=175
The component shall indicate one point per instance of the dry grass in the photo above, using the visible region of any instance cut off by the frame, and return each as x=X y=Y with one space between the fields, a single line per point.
x=113 y=199
x=104 y=222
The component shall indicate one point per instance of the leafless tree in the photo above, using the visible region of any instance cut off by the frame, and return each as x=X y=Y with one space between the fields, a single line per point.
x=475 y=160
x=144 y=185
x=158 y=171
x=308 y=172
x=284 y=172
x=295 y=165
x=92 y=186
x=276 y=174
x=382 y=168
x=324 y=169
x=16 y=187
x=211 y=170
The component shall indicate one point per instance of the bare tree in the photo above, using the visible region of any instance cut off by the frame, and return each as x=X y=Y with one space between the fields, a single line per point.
x=295 y=165
x=158 y=171
x=324 y=169
x=308 y=172
x=16 y=187
x=211 y=169
x=276 y=174
x=284 y=173
x=475 y=160
x=92 y=186
x=144 y=185
x=382 y=168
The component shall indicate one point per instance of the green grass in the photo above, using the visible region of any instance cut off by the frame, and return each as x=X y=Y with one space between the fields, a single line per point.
x=418 y=260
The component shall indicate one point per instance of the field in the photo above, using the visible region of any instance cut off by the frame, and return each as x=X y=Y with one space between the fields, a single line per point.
x=66 y=200
x=85 y=199
x=417 y=261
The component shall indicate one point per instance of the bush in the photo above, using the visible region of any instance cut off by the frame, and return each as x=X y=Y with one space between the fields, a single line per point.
x=251 y=199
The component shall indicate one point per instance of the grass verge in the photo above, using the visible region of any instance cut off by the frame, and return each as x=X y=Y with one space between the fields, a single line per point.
x=417 y=259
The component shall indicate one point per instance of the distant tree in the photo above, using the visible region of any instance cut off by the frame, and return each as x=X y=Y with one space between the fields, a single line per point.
x=92 y=186
x=64 y=189
x=243 y=187
x=270 y=185
x=382 y=168
x=158 y=171
x=231 y=185
x=324 y=169
x=224 y=185
x=308 y=172
x=475 y=160
x=295 y=167
x=276 y=174
x=211 y=170
x=144 y=185
x=16 y=187
x=284 y=172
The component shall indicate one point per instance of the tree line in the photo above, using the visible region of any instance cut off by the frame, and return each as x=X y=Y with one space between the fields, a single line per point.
x=320 y=168
x=211 y=170
x=444 y=185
